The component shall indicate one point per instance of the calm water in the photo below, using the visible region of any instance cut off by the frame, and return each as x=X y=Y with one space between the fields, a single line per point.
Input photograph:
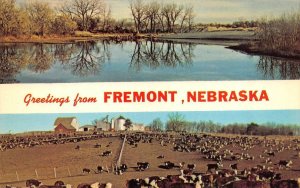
x=107 y=61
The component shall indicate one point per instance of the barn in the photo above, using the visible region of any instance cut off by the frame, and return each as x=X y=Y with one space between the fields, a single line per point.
x=66 y=125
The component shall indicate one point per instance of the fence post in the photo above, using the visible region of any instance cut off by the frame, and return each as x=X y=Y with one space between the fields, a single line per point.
x=17 y=176
x=69 y=171
x=54 y=169
x=36 y=173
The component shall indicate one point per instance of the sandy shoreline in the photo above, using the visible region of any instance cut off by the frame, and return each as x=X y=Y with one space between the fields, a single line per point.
x=216 y=35
x=191 y=37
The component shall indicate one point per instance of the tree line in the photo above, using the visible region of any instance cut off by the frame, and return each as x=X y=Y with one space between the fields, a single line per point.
x=154 y=17
x=177 y=122
x=38 y=18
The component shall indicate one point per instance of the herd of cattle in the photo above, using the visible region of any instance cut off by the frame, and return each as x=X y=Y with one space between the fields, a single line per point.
x=214 y=151
x=12 y=142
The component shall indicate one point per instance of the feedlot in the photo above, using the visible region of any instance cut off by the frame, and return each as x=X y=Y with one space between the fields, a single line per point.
x=65 y=161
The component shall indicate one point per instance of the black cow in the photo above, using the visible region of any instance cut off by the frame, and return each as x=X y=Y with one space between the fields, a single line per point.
x=284 y=163
x=234 y=166
x=191 y=166
x=86 y=170
x=32 y=183
x=84 y=185
x=143 y=166
x=106 y=153
x=211 y=167
x=100 y=169
x=169 y=165
x=123 y=167
x=59 y=183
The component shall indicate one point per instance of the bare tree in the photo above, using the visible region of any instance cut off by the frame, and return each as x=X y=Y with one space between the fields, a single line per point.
x=106 y=17
x=138 y=11
x=187 y=18
x=152 y=15
x=84 y=10
x=172 y=12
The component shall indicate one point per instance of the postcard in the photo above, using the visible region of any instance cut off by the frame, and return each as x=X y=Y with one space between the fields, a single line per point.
x=142 y=93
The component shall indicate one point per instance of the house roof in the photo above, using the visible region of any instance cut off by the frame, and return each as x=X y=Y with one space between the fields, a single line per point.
x=64 y=120
x=68 y=126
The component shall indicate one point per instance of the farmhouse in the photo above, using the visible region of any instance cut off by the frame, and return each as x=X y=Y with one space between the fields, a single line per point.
x=66 y=125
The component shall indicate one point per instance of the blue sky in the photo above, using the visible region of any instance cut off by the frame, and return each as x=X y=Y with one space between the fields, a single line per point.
x=33 y=122
x=207 y=11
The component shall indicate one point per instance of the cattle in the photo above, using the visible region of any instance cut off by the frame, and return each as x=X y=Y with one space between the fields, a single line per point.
x=77 y=147
x=234 y=166
x=161 y=157
x=86 y=170
x=168 y=165
x=266 y=174
x=271 y=153
x=56 y=186
x=284 y=163
x=285 y=184
x=32 y=183
x=191 y=166
x=84 y=185
x=134 y=183
x=107 y=153
x=142 y=166
x=59 y=183
x=211 y=167
x=100 y=169
x=247 y=184
x=123 y=168
x=95 y=185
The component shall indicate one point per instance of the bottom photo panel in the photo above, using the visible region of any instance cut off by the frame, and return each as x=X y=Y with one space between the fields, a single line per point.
x=151 y=149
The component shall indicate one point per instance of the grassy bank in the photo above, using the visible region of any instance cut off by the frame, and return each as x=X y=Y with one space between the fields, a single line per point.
x=78 y=36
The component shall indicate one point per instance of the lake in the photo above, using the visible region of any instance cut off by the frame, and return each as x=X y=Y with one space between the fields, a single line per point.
x=110 y=61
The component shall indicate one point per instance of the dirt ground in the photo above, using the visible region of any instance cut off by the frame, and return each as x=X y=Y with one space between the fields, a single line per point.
x=68 y=162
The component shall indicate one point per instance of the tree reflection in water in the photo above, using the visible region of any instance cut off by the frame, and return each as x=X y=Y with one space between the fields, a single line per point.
x=87 y=58
x=157 y=54
x=12 y=61
x=276 y=68
x=41 y=58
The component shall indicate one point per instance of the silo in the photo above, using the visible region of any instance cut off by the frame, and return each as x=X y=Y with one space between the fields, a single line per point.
x=119 y=124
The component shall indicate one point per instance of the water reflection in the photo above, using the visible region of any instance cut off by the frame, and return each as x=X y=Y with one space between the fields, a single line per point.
x=273 y=67
x=155 y=55
x=41 y=58
x=12 y=60
x=88 y=59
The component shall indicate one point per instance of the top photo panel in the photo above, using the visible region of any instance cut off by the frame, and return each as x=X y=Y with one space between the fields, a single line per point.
x=52 y=41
